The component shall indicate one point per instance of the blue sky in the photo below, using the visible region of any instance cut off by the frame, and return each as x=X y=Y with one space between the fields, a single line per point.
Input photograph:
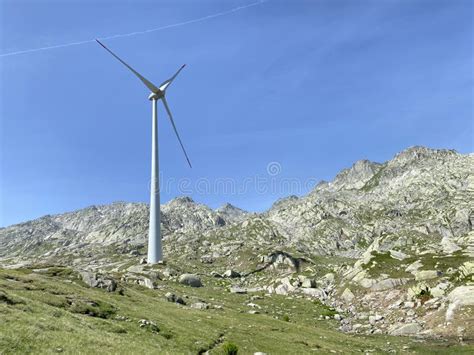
x=311 y=85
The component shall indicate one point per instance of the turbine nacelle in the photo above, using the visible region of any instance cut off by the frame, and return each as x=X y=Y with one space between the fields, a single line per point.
x=156 y=95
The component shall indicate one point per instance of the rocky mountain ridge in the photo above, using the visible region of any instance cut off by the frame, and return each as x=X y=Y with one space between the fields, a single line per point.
x=370 y=243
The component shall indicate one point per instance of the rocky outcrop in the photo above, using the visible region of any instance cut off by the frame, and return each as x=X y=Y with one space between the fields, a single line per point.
x=92 y=279
x=459 y=297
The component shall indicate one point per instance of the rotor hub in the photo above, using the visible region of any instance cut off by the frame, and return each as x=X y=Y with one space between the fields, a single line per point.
x=156 y=95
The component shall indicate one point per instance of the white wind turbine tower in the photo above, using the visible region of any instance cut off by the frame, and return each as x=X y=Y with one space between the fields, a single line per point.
x=155 y=252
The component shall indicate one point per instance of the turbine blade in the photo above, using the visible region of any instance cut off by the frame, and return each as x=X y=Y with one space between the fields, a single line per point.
x=164 y=85
x=148 y=84
x=175 y=130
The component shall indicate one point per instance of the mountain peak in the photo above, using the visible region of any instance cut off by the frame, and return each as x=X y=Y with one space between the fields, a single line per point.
x=228 y=207
x=284 y=201
x=181 y=200
x=419 y=153
x=231 y=213
x=356 y=176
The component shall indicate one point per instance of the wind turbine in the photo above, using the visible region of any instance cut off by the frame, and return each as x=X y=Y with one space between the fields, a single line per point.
x=155 y=252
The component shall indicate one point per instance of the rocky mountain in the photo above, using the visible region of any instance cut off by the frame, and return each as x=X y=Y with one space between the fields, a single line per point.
x=389 y=246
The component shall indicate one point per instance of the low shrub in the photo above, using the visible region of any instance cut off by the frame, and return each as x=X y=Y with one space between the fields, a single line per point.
x=230 y=348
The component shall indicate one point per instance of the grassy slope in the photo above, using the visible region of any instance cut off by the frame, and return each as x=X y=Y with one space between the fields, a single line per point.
x=45 y=313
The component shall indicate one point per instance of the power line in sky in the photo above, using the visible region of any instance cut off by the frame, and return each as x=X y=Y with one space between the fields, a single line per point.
x=178 y=24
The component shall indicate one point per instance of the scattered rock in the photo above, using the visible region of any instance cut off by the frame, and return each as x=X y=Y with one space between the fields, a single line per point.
x=144 y=323
x=387 y=284
x=307 y=282
x=283 y=289
x=398 y=255
x=440 y=289
x=329 y=277
x=347 y=295
x=237 y=289
x=190 y=280
x=405 y=329
x=253 y=305
x=145 y=281
x=459 y=297
x=216 y=274
x=96 y=280
x=426 y=275
x=414 y=266
x=231 y=274
x=200 y=305
x=171 y=297
x=112 y=286
x=168 y=272
x=315 y=293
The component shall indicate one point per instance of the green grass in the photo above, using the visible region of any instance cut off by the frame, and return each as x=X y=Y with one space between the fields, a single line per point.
x=230 y=348
x=443 y=263
x=54 y=312
x=383 y=263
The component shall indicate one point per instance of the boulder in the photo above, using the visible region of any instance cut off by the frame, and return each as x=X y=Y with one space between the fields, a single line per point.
x=459 y=297
x=200 y=305
x=426 y=275
x=467 y=270
x=440 y=289
x=144 y=323
x=329 y=277
x=307 y=282
x=145 y=281
x=237 y=289
x=449 y=246
x=367 y=283
x=90 y=279
x=315 y=292
x=171 y=297
x=387 y=284
x=280 y=259
x=168 y=272
x=375 y=318
x=413 y=267
x=417 y=289
x=283 y=289
x=405 y=329
x=398 y=255
x=112 y=285
x=95 y=280
x=190 y=280
x=231 y=274
x=347 y=295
